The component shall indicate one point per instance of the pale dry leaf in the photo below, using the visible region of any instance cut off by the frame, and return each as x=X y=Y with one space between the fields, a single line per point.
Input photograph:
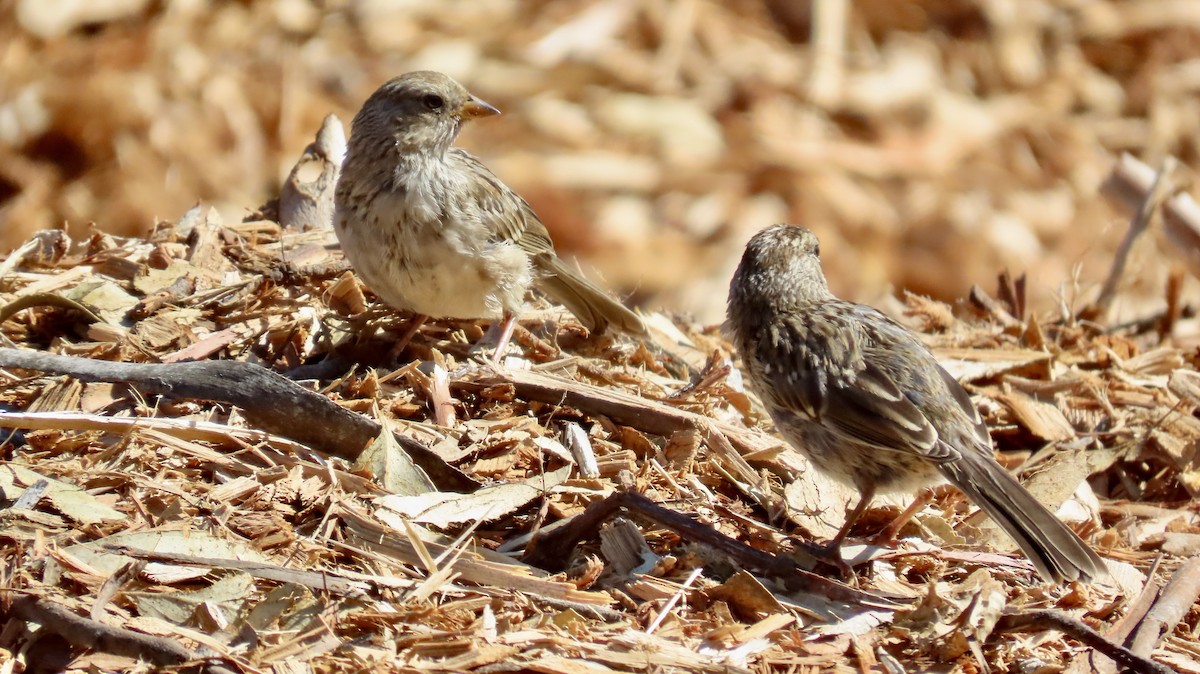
x=1043 y=419
x=228 y=595
x=746 y=594
x=106 y=299
x=175 y=541
x=390 y=466
x=67 y=498
x=818 y=503
x=442 y=509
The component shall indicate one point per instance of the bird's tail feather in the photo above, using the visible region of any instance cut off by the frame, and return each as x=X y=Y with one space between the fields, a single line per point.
x=593 y=307
x=1057 y=552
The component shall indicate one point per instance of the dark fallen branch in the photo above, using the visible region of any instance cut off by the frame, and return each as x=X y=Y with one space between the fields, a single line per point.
x=552 y=549
x=86 y=633
x=268 y=401
x=1032 y=621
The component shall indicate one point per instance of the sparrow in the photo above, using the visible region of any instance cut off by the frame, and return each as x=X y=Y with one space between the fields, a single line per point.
x=430 y=229
x=867 y=402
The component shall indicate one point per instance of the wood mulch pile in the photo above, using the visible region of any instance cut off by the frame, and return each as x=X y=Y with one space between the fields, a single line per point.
x=214 y=458
x=929 y=142
x=593 y=504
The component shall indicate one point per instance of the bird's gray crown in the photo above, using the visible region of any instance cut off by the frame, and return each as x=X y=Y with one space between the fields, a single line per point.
x=783 y=241
x=780 y=267
x=423 y=92
x=421 y=110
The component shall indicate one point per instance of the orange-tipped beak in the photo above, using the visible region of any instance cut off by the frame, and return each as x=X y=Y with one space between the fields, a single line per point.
x=474 y=108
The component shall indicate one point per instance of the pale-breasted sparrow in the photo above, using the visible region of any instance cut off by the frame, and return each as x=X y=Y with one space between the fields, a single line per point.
x=430 y=229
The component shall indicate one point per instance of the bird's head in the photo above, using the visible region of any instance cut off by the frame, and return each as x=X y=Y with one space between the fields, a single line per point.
x=781 y=267
x=420 y=110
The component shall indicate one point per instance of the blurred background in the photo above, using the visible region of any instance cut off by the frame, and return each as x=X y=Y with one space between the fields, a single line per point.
x=930 y=144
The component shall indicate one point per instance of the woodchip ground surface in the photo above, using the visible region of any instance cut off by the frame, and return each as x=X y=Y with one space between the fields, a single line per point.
x=595 y=504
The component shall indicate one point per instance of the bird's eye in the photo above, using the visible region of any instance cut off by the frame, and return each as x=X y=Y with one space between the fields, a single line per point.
x=817 y=249
x=433 y=102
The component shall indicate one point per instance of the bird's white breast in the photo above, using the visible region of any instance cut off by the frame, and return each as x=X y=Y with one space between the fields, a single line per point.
x=423 y=249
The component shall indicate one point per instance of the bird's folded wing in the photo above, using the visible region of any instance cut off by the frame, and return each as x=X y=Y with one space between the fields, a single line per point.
x=507 y=216
x=964 y=401
x=847 y=392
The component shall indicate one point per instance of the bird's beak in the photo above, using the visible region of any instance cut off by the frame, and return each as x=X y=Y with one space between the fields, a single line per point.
x=474 y=108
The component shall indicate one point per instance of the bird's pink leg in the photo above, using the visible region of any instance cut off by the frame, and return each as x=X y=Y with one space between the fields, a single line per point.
x=414 y=325
x=831 y=552
x=889 y=533
x=506 y=332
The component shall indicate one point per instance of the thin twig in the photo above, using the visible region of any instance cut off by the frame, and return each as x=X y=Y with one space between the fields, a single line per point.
x=1049 y=619
x=1173 y=603
x=1141 y=221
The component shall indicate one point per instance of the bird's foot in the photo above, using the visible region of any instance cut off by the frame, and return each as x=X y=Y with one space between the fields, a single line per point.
x=829 y=554
x=498 y=334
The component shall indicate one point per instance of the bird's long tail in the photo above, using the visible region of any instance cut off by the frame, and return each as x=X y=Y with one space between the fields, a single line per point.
x=1057 y=552
x=593 y=307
